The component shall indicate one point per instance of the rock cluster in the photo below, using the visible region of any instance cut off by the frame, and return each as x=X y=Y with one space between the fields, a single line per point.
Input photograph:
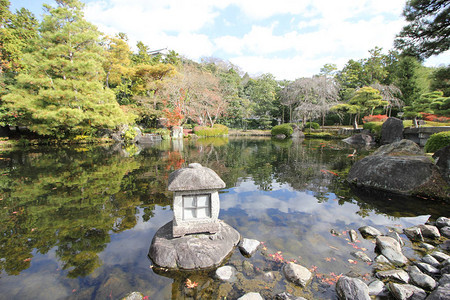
x=403 y=278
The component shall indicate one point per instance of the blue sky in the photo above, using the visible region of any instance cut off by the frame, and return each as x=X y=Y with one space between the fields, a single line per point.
x=288 y=38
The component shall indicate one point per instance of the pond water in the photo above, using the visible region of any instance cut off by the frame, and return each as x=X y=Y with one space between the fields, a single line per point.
x=77 y=223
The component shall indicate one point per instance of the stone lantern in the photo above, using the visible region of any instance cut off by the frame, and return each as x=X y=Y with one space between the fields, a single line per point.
x=196 y=202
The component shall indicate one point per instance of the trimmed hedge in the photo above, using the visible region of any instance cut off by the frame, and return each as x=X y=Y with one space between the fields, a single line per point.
x=311 y=125
x=285 y=129
x=216 y=130
x=437 y=141
x=374 y=127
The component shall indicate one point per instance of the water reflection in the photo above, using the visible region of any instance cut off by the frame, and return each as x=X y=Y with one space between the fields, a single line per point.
x=76 y=223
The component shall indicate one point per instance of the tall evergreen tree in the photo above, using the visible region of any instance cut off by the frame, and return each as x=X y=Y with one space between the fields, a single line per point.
x=61 y=91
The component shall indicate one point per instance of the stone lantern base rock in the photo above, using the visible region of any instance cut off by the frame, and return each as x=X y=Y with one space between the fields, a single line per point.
x=195 y=251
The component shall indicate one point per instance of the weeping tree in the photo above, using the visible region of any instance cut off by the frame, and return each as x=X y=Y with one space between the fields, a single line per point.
x=311 y=97
x=391 y=94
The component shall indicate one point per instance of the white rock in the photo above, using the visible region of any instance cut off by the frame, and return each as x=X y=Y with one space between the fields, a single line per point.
x=251 y=296
x=297 y=274
x=249 y=246
x=226 y=273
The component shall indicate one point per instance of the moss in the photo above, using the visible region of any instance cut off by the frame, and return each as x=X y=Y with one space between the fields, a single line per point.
x=216 y=130
x=435 y=188
x=285 y=129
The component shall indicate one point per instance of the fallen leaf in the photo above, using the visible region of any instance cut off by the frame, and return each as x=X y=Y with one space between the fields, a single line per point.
x=190 y=284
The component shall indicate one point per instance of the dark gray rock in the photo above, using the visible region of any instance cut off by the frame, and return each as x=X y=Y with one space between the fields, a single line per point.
x=414 y=233
x=445 y=246
x=381 y=259
x=442 y=222
x=420 y=279
x=269 y=277
x=397 y=174
x=426 y=246
x=190 y=252
x=287 y=296
x=248 y=246
x=441 y=293
x=442 y=161
x=445 y=231
x=297 y=274
x=406 y=291
x=440 y=256
x=351 y=288
x=360 y=139
x=445 y=279
x=397 y=275
x=428 y=269
x=391 y=249
x=428 y=259
x=401 y=147
x=226 y=273
x=377 y=288
x=297 y=134
x=430 y=231
x=251 y=296
x=369 y=231
x=391 y=131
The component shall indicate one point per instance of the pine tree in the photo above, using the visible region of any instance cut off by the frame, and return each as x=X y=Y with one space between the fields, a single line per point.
x=61 y=91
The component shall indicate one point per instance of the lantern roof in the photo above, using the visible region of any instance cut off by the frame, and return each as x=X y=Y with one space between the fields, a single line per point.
x=195 y=177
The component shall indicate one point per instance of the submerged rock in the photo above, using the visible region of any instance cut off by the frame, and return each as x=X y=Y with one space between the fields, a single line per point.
x=297 y=274
x=348 y=288
x=287 y=296
x=362 y=256
x=226 y=273
x=251 y=296
x=353 y=235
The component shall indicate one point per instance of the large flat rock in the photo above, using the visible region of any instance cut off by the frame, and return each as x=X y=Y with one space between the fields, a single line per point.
x=192 y=252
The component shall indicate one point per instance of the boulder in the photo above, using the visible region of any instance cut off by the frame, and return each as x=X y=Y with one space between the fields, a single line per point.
x=414 y=233
x=360 y=139
x=420 y=279
x=391 y=131
x=369 y=231
x=377 y=288
x=390 y=248
x=428 y=259
x=430 y=231
x=192 y=252
x=440 y=256
x=407 y=291
x=348 y=288
x=428 y=269
x=297 y=274
x=426 y=246
x=134 y=296
x=403 y=147
x=442 y=161
x=441 y=293
x=445 y=231
x=248 y=246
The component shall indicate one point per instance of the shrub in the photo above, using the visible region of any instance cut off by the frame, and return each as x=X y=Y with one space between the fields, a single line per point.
x=285 y=129
x=311 y=125
x=216 y=130
x=129 y=135
x=437 y=141
x=374 y=127
x=374 y=118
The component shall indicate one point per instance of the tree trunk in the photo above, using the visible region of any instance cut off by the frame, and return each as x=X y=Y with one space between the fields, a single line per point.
x=416 y=123
x=355 y=122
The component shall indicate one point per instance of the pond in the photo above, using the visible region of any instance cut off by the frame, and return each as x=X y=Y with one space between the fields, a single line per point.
x=77 y=223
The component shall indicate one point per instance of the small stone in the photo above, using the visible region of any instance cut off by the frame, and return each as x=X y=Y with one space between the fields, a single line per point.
x=406 y=291
x=353 y=235
x=390 y=248
x=445 y=263
x=428 y=269
x=251 y=296
x=420 y=279
x=369 y=231
x=134 y=296
x=351 y=288
x=335 y=232
x=248 y=246
x=287 y=296
x=441 y=293
x=446 y=245
x=362 y=256
x=440 y=256
x=297 y=274
x=426 y=246
x=381 y=259
x=396 y=237
x=430 y=260
x=399 y=275
x=226 y=273
x=268 y=277
x=442 y=222
x=377 y=288
x=248 y=268
x=430 y=231
x=445 y=231
x=413 y=233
